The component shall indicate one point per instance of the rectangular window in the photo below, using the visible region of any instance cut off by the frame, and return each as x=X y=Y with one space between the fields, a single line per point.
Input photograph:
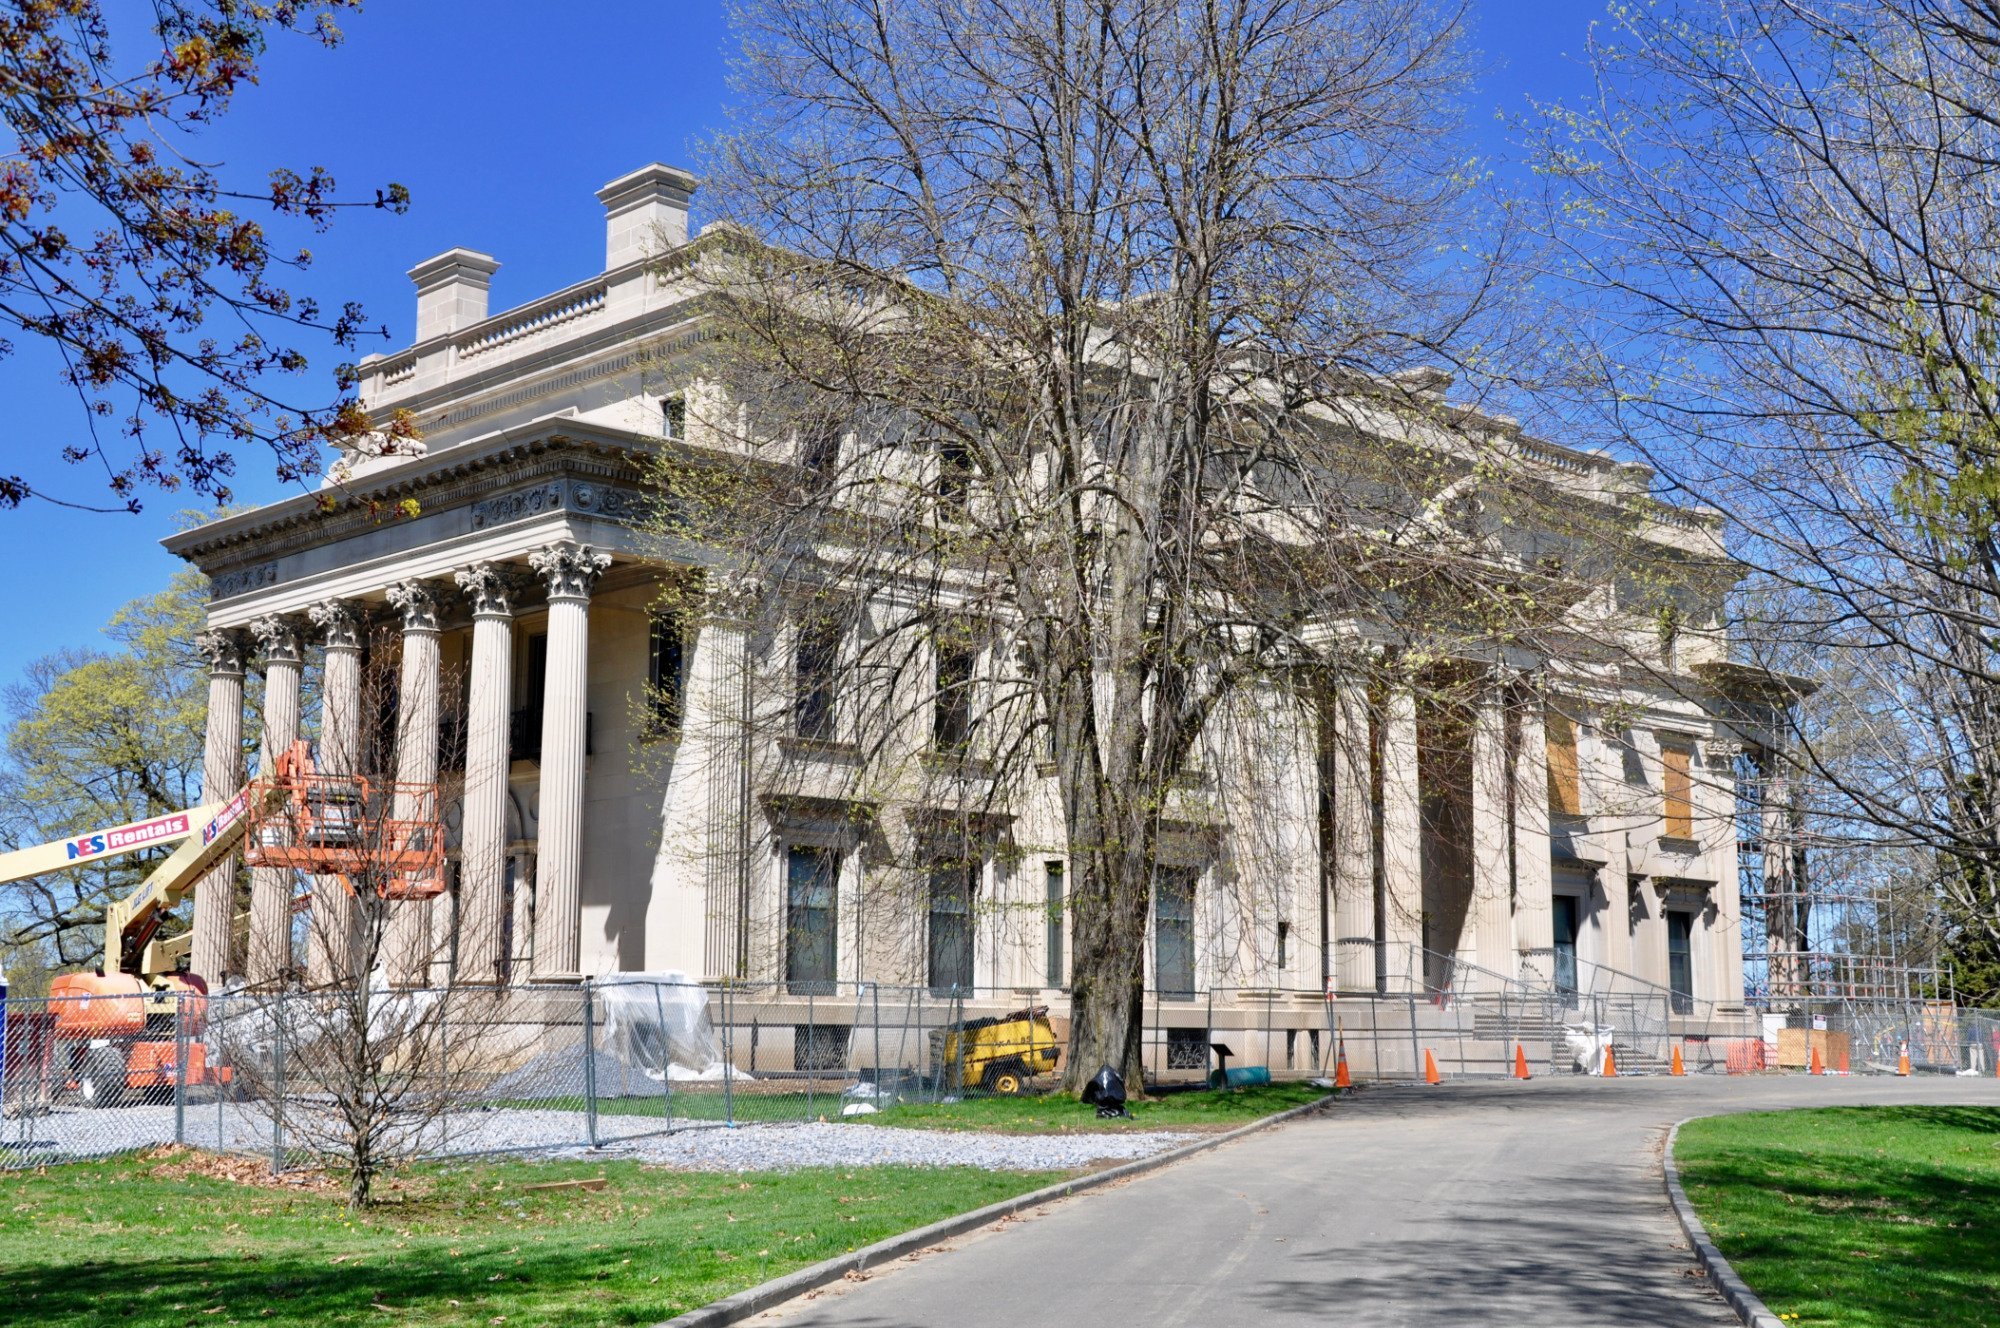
x=674 y=416
x=1565 y=780
x=815 y=668
x=1680 y=960
x=951 y=708
x=819 y=451
x=954 y=472
x=1284 y=937
x=1056 y=899
x=1631 y=764
x=952 y=888
x=1563 y=918
x=1677 y=785
x=1173 y=932
x=811 y=946
x=666 y=674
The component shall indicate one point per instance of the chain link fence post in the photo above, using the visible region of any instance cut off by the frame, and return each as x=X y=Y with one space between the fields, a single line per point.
x=729 y=1055
x=180 y=1067
x=589 y=1068
x=278 y=1091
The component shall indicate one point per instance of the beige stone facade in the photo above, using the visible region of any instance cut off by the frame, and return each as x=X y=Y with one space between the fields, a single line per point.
x=596 y=836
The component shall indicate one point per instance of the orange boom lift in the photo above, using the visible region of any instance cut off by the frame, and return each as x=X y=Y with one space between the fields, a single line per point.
x=114 y=1029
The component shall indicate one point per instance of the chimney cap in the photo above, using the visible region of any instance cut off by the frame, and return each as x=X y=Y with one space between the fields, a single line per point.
x=647 y=183
x=454 y=265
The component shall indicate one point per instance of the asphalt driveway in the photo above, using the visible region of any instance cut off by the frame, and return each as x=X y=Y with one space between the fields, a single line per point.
x=1534 y=1203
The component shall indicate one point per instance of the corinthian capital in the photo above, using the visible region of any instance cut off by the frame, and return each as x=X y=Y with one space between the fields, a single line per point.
x=339 y=622
x=417 y=601
x=224 y=650
x=278 y=638
x=570 y=569
x=490 y=587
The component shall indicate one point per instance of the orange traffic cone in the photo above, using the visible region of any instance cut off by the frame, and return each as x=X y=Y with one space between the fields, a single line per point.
x=1818 y=1067
x=1674 y=1065
x=1430 y=1067
x=1341 y=1079
x=1610 y=1064
x=1903 y=1060
x=1843 y=1060
x=1520 y=1061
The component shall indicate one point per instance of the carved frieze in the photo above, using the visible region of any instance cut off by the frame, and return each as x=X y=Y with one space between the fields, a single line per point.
x=242 y=581
x=517 y=505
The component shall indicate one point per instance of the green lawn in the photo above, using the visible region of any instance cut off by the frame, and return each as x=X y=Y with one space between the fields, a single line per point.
x=1863 y=1217
x=1199 y=1109
x=119 y=1242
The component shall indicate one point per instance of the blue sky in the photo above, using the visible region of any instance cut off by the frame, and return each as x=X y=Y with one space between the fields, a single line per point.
x=502 y=119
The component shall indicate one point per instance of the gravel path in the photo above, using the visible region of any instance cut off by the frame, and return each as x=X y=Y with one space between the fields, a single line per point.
x=67 y=1134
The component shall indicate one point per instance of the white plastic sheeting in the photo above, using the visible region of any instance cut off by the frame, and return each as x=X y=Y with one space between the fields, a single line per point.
x=658 y=1023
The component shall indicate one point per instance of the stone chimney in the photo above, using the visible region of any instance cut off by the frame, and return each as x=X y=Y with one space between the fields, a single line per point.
x=451 y=291
x=645 y=212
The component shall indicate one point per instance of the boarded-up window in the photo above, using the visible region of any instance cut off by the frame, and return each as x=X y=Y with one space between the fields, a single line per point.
x=1678 y=785
x=1565 y=785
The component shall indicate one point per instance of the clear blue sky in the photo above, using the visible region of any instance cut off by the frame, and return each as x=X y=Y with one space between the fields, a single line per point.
x=502 y=119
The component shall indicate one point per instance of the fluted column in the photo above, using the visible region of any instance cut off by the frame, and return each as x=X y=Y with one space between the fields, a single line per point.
x=1402 y=841
x=571 y=571
x=1492 y=911
x=1350 y=859
x=271 y=887
x=221 y=777
x=411 y=945
x=717 y=721
x=331 y=944
x=482 y=841
x=1534 y=917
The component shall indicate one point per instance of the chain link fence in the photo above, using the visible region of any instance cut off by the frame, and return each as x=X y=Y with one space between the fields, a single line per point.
x=478 y=1071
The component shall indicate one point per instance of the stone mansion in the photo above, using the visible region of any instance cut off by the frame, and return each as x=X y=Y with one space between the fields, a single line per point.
x=594 y=835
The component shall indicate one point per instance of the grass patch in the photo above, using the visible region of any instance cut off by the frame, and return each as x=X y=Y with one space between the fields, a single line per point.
x=1200 y=1109
x=1862 y=1217
x=137 y=1241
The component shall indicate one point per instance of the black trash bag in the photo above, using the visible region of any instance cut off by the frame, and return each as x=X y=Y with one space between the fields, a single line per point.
x=1106 y=1092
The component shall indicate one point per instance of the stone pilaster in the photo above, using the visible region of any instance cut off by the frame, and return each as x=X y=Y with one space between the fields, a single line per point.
x=411 y=945
x=1534 y=918
x=270 y=953
x=1402 y=841
x=1350 y=856
x=1492 y=913
x=221 y=777
x=483 y=831
x=571 y=571
x=332 y=949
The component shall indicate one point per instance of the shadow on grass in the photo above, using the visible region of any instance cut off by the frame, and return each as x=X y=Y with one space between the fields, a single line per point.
x=1872 y=1217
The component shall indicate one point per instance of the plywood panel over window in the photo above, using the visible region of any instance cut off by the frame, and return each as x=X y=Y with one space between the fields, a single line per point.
x=1565 y=783
x=1678 y=785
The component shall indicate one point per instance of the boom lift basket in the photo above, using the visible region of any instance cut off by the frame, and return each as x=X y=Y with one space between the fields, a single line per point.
x=383 y=836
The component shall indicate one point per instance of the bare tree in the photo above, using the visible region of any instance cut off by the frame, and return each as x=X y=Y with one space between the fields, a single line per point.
x=1781 y=221
x=1069 y=410
x=366 y=1056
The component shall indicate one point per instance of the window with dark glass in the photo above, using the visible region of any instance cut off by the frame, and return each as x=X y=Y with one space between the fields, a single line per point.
x=1057 y=902
x=811 y=946
x=954 y=472
x=1173 y=932
x=815 y=667
x=951 y=710
x=819 y=451
x=666 y=673
x=952 y=887
x=673 y=416
x=1680 y=960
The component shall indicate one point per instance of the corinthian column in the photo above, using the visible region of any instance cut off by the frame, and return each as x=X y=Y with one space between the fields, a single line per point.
x=271 y=887
x=1492 y=930
x=1349 y=856
x=410 y=940
x=571 y=571
x=1402 y=843
x=482 y=838
x=330 y=948
x=221 y=777
x=1534 y=910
